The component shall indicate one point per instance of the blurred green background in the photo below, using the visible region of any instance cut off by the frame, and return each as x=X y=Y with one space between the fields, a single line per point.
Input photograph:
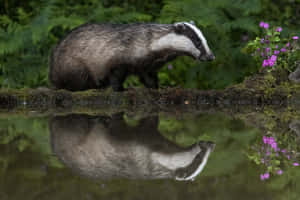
x=30 y=29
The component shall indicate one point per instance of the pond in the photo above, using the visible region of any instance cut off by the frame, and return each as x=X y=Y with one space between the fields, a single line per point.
x=212 y=155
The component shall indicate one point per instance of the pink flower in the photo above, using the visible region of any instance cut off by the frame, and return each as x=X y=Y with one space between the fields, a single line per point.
x=279 y=29
x=266 y=25
x=279 y=172
x=295 y=38
x=288 y=44
x=283 y=50
x=296 y=164
x=264 y=176
x=265 y=63
x=273 y=58
x=267 y=175
x=261 y=24
x=276 y=46
x=268 y=49
x=272 y=63
x=283 y=150
x=276 y=52
x=265 y=138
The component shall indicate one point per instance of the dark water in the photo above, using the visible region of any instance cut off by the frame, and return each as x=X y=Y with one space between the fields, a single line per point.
x=204 y=156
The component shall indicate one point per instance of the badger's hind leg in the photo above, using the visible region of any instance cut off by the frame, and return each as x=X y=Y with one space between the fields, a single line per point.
x=74 y=80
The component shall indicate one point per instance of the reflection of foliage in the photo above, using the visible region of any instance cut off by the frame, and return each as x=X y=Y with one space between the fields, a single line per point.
x=26 y=134
x=29 y=29
x=274 y=155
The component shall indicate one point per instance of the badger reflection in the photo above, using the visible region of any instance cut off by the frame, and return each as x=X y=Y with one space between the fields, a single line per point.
x=107 y=148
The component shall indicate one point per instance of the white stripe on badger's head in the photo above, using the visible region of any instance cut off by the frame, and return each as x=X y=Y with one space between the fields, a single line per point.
x=200 y=35
x=176 y=42
x=206 y=53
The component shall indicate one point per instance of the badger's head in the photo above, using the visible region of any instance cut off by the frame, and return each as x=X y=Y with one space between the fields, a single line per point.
x=186 y=38
x=194 y=39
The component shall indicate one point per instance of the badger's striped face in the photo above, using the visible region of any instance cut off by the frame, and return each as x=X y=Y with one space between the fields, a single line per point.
x=190 y=31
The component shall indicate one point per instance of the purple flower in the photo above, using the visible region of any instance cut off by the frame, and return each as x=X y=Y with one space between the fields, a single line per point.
x=279 y=172
x=170 y=67
x=262 y=40
x=265 y=138
x=283 y=50
x=271 y=64
x=265 y=63
x=264 y=176
x=267 y=175
x=276 y=52
x=273 y=58
x=261 y=24
x=283 y=150
x=272 y=139
x=268 y=49
x=279 y=29
x=258 y=49
x=276 y=46
x=262 y=54
x=296 y=164
x=295 y=38
x=266 y=25
x=288 y=44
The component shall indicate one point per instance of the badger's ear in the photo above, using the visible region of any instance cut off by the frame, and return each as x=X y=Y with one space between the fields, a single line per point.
x=179 y=27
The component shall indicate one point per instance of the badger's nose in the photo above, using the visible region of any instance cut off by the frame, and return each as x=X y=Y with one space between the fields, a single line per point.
x=211 y=57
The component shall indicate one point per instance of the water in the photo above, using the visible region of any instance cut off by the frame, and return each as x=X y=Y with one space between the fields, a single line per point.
x=204 y=156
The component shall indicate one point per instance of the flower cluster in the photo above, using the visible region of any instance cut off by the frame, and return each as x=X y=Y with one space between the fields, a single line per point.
x=272 y=157
x=270 y=50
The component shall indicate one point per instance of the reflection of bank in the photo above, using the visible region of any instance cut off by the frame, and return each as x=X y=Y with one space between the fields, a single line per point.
x=107 y=148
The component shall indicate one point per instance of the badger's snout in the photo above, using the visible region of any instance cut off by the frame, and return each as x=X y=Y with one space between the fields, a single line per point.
x=207 y=57
x=211 y=57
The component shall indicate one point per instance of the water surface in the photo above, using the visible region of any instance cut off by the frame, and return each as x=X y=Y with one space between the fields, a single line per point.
x=204 y=156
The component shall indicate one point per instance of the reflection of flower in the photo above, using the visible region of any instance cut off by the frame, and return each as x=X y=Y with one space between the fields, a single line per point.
x=271 y=157
x=264 y=176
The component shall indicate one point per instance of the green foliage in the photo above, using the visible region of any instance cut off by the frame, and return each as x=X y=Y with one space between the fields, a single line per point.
x=30 y=29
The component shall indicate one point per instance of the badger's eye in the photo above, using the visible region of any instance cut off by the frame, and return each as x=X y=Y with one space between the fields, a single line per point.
x=198 y=43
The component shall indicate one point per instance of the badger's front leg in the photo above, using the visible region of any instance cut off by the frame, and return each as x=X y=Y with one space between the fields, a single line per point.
x=150 y=79
x=117 y=77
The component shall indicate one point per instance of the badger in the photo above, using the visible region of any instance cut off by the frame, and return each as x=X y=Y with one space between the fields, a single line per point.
x=95 y=56
x=106 y=148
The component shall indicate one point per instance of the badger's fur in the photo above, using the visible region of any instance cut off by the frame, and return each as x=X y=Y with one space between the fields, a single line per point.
x=107 y=148
x=100 y=55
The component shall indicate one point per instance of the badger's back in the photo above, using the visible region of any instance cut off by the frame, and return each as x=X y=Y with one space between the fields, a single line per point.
x=89 y=52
